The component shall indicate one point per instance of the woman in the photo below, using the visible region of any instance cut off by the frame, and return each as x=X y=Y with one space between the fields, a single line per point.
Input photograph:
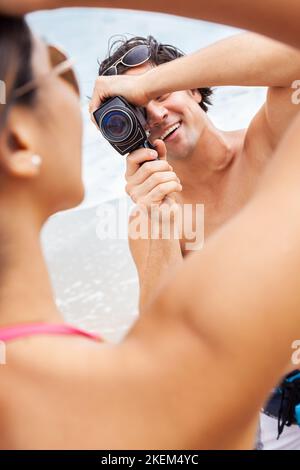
x=61 y=387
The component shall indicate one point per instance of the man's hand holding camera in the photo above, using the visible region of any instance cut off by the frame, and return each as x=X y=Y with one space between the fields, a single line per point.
x=129 y=87
x=150 y=178
x=117 y=109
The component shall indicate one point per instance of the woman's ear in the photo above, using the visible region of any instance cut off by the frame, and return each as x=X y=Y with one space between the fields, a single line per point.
x=17 y=158
x=22 y=164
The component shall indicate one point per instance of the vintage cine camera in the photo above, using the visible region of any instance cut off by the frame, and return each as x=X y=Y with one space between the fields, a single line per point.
x=123 y=125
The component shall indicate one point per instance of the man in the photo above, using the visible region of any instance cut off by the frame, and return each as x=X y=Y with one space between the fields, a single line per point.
x=216 y=168
x=205 y=165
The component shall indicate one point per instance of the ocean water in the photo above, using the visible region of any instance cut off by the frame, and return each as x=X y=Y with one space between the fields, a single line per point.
x=85 y=35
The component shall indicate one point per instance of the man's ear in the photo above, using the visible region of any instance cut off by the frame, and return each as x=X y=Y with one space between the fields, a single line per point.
x=197 y=95
x=17 y=158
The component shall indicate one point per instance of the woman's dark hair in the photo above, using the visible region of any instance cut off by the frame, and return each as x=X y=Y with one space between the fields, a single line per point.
x=15 y=62
x=160 y=53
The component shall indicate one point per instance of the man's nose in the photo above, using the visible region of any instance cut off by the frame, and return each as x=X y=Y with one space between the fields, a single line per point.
x=156 y=114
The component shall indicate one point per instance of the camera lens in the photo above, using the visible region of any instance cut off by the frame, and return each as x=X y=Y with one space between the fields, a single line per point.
x=116 y=125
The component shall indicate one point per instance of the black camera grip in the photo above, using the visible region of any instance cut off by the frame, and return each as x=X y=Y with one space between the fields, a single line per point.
x=147 y=145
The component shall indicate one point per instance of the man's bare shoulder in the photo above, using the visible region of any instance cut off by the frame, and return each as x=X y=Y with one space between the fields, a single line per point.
x=270 y=123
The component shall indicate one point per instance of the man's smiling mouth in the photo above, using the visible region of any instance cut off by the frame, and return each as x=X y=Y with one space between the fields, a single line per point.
x=170 y=131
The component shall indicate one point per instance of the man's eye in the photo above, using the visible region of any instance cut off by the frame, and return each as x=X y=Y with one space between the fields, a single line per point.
x=162 y=97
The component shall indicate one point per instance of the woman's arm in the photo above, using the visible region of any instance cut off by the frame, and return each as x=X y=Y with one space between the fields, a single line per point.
x=196 y=369
x=239 y=301
x=275 y=18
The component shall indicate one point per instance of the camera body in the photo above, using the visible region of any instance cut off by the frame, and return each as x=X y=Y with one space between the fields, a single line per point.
x=123 y=125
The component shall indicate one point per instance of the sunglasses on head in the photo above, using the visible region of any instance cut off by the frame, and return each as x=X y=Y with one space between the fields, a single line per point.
x=136 y=56
x=62 y=66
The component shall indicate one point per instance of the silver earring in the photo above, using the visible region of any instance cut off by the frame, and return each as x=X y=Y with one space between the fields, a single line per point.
x=36 y=160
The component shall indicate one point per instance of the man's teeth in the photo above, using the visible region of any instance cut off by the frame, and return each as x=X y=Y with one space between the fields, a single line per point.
x=168 y=132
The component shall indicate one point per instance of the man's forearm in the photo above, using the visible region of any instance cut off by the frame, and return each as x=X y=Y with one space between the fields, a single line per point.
x=155 y=258
x=164 y=256
x=276 y=18
x=246 y=59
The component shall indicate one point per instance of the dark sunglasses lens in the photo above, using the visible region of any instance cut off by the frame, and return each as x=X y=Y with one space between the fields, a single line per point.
x=137 y=55
x=58 y=57
x=110 y=71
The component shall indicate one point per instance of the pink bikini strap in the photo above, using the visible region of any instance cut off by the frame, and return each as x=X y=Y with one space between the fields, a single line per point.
x=32 y=329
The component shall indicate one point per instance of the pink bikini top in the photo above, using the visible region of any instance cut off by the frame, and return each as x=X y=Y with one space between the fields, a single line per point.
x=32 y=329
